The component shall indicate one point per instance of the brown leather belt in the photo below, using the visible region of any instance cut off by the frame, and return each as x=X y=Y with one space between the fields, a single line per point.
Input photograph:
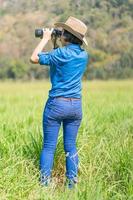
x=65 y=98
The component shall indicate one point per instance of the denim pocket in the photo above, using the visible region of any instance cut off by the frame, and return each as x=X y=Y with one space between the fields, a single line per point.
x=54 y=108
x=51 y=103
x=49 y=106
x=78 y=110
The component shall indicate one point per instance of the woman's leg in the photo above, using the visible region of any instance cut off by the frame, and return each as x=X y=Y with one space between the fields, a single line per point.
x=70 y=130
x=51 y=128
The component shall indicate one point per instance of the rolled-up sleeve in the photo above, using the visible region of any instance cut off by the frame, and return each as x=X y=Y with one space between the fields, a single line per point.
x=44 y=58
x=49 y=58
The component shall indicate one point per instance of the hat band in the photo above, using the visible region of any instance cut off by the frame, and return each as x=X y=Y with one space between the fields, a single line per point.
x=79 y=35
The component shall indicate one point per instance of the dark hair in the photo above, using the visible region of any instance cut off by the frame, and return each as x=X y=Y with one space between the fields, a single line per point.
x=69 y=37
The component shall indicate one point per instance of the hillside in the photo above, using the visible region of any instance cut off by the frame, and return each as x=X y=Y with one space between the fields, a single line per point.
x=110 y=35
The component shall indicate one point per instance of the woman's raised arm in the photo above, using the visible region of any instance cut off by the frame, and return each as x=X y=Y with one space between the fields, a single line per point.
x=46 y=37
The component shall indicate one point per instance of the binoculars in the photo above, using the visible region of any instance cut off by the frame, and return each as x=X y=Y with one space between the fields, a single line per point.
x=55 y=32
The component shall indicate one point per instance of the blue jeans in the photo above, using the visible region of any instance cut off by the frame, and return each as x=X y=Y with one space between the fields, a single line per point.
x=59 y=111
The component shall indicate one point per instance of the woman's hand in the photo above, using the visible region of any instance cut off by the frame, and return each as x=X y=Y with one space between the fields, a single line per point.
x=47 y=33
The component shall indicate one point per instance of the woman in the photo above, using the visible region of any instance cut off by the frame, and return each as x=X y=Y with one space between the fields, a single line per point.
x=64 y=105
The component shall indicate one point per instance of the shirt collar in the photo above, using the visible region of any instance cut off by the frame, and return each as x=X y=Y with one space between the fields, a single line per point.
x=73 y=46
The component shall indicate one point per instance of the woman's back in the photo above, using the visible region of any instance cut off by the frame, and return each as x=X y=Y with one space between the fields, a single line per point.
x=67 y=65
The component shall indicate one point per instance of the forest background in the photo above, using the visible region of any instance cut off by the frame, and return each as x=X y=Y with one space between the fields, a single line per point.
x=110 y=36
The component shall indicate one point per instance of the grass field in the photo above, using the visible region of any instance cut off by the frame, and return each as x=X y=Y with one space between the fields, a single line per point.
x=105 y=143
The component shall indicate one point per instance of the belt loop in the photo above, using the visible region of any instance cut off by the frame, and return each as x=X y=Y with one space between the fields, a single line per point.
x=71 y=101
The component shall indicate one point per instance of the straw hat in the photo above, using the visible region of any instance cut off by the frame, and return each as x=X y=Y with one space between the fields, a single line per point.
x=74 y=26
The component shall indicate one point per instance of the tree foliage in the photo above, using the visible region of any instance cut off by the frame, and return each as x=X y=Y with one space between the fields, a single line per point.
x=110 y=35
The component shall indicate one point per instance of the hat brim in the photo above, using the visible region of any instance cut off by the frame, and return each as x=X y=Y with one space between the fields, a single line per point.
x=69 y=29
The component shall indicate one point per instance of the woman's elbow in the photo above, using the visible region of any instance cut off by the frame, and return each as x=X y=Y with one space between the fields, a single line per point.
x=34 y=60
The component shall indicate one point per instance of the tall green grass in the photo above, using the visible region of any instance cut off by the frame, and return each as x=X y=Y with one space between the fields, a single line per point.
x=105 y=143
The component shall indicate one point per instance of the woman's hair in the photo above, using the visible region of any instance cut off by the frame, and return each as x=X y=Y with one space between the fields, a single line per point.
x=69 y=37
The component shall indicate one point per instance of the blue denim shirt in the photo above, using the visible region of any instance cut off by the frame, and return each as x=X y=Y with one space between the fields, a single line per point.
x=67 y=65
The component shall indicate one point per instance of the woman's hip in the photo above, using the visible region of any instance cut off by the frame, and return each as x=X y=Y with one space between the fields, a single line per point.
x=62 y=108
